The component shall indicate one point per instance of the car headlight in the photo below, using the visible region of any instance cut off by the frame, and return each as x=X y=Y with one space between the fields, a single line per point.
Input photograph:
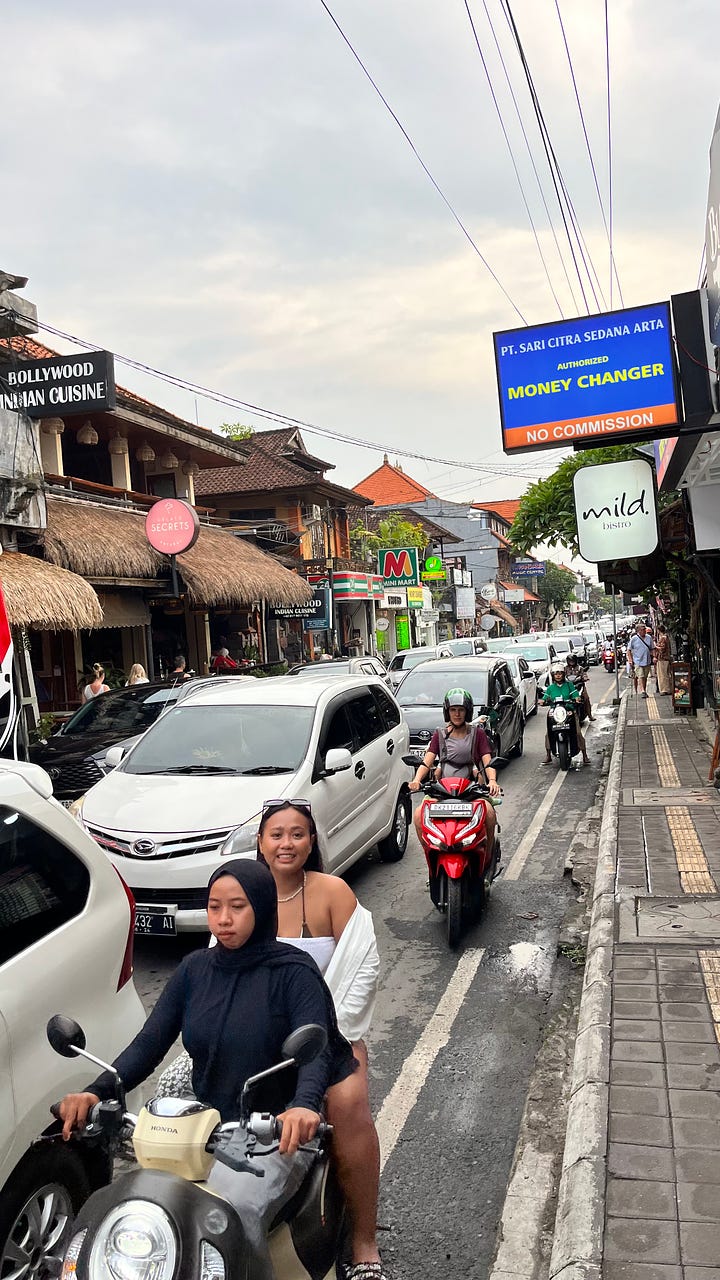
x=69 y=1267
x=242 y=842
x=76 y=809
x=560 y=715
x=135 y=1242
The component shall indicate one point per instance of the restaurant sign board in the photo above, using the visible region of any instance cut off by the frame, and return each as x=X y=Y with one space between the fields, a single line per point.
x=59 y=386
x=616 y=511
x=172 y=526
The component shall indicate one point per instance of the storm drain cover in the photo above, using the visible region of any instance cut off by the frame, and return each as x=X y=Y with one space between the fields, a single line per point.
x=685 y=919
x=651 y=724
x=664 y=796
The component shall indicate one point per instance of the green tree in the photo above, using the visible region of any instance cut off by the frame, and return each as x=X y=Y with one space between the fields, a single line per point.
x=547 y=511
x=394 y=530
x=236 y=431
x=556 y=589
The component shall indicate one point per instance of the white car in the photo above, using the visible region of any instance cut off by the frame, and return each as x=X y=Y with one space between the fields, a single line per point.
x=524 y=681
x=66 y=940
x=191 y=791
x=407 y=659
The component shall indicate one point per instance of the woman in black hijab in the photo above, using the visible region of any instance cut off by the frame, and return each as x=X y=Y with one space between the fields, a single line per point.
x=234 y=1005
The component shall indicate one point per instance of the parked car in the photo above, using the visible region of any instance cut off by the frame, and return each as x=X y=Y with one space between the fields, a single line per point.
x=66 y=945
x=190 y=792
x=593 y=645
x=539 y=657
x=466 y=646
x=487 y=680
x=74 y=757
x=577 y=640
x=366 y=666
x=524 y=681
x=408 y=659
x=562 y=645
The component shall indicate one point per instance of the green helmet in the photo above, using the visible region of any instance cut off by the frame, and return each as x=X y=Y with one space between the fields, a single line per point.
x=458 y=698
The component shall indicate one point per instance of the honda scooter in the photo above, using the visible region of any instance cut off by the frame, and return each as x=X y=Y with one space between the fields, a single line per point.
x=608 y=658
x=562 y=731
x=161 y=1221
x=454 y=840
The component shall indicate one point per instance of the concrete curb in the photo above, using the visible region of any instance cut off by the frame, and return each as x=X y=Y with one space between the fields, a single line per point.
x=579 y=1224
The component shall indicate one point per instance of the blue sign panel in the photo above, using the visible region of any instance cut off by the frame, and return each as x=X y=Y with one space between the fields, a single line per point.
x=594 y=378
x=527 y=569
x=321 y=619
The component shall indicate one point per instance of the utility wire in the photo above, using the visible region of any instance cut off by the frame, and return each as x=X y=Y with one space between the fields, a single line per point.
x=421 y=162
x=285 y=420
x=609 y=136
x=613 y=264
x=512 y=157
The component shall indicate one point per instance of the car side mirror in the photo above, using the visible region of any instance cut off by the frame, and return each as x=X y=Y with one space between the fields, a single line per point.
x=337 y=760
x=65 y=1035
x=496 y=762
x=113 y=756
x=305 y=1044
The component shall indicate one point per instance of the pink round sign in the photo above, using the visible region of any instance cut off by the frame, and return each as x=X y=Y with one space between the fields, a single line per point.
x=172 y=526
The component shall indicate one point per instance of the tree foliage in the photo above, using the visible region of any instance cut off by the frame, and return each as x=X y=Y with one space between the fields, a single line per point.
x=556 y=589
x=236 y=431
x=547 y=510
x=393 y=531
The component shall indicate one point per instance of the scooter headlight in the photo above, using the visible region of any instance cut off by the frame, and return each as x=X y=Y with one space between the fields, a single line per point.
x=135 y=1242
x=560 y=715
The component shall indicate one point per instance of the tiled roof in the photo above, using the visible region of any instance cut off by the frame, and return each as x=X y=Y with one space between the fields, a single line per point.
x=273 y=463
x=506 y=508
x=503 y=541
x=389 y=485
x=515 y=586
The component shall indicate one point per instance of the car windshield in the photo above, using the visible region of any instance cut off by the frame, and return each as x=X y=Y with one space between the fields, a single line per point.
x=127 y=712
x=576 y=638
x=589 y=637
x=533 y=652
x=561 y=644
x=406 y=661
x=501 y=646
x=428 y=688
x=233 y=740
x=461 y=647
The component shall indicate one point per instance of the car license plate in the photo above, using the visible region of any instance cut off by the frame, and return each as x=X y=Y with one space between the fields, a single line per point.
x=450 y=809
x=155 y=919
x=417 y=752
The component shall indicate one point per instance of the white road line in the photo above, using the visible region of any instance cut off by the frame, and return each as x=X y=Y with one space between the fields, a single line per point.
x=415 y=1070
x=527 y=844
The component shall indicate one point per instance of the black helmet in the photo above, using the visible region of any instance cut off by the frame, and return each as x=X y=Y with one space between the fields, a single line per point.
x=458 y=698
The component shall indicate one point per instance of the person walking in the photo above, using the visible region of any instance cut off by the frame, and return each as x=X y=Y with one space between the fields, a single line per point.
x=97 y=685
x=640 y=658
x=663 y=655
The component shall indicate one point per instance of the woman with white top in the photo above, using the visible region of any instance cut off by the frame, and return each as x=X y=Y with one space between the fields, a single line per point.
x=97 y=684
x=320 y=914
x=138 y=675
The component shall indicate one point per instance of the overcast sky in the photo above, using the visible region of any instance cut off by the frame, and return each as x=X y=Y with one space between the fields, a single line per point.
x=215 y=190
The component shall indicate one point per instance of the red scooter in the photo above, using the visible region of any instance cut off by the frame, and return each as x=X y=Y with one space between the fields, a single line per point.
x=454 y=840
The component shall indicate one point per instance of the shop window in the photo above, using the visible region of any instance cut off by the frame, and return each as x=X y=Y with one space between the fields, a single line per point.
x=162 y=486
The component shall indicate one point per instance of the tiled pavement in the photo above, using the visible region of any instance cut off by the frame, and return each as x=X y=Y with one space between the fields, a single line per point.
x=663 y=1174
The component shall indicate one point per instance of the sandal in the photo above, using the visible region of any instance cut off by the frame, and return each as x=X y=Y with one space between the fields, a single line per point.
x=365 y=1271
x=547 y=760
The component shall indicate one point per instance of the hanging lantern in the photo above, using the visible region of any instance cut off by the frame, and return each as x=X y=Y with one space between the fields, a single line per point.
x=145 y=453
x=190 y=468
x=87 y=434
x=117 y=444
x=169 y=461
x=52 y=426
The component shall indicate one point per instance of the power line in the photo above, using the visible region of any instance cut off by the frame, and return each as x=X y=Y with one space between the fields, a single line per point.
x=613 y=264
x=609 y=137
x=282 y=419
x=420 y=160
x=512 y=157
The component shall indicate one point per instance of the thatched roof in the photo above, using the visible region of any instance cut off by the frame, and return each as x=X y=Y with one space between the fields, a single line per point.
x=41 y=596
x=101 y=542
x=224 y=570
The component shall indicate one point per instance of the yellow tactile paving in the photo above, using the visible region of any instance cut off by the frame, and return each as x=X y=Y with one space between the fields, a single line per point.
x=668 y=774
x=652 y=707
x=710 y=965
x=692 y=864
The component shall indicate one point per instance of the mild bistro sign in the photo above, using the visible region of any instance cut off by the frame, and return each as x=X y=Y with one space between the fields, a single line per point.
x=616 y=512
x=62 y=385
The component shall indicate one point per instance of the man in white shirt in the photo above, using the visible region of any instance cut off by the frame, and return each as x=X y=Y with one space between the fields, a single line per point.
x=640 y=657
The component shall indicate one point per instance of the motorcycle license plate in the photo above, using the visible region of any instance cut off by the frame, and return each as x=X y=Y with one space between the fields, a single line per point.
x=155 y=920
x=451 y=809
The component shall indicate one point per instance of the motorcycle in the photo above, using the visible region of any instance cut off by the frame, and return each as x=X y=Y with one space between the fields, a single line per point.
x=562 y=731
x=608 y=658
x=161 y=1221
x=461 y=867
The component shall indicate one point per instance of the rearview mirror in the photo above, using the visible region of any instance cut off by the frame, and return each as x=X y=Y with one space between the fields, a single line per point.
x=305 y=1044
x=413 y=761
x=337 y=760
x=496 y=762
x=113 y=756
x=65 y=1035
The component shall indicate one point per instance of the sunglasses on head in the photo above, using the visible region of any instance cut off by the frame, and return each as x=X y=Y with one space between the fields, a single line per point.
x=303 y=805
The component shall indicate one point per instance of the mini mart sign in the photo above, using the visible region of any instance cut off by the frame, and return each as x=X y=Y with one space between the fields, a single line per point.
x=399 y=566
x=616 y=511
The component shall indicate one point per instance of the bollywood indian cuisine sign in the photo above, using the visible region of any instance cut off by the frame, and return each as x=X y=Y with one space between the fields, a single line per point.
x=595 y=378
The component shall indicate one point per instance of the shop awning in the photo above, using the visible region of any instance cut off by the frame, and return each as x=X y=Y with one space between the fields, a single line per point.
x=123 y=609
x=501 y=612
x=46 y=598
x=103 y=542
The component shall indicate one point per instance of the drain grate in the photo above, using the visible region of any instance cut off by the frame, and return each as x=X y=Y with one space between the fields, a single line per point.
x=684 y=920
x=662 y=796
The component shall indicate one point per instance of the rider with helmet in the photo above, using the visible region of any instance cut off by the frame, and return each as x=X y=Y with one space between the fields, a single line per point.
x=564 y=688
x=459 y=749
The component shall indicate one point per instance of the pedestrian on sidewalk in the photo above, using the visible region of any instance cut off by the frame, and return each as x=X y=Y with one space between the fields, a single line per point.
x=640 y=657
x=662 y=661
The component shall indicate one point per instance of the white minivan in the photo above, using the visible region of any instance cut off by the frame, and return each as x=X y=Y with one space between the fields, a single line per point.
x=191 y=791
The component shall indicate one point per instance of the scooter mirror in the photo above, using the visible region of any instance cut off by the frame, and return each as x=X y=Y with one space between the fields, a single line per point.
x=65 y=1035
x=411 y=760
x=497 y=760
x=305 y=1044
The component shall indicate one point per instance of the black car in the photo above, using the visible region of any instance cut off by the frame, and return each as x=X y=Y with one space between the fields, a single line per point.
x=74 y=757
x=487 y=680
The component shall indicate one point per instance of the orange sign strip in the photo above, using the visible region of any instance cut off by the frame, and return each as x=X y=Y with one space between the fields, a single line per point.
x=599 y=428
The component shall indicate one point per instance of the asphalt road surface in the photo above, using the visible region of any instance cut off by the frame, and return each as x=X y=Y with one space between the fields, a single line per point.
x=455 y=1034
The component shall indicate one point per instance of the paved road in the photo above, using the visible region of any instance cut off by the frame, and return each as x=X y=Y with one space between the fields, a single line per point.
x=456 y=1034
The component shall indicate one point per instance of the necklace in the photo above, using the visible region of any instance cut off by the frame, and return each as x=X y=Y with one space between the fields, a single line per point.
x=297 y=891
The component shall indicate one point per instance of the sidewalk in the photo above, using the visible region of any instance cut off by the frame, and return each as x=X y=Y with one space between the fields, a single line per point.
x=640 y=1189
